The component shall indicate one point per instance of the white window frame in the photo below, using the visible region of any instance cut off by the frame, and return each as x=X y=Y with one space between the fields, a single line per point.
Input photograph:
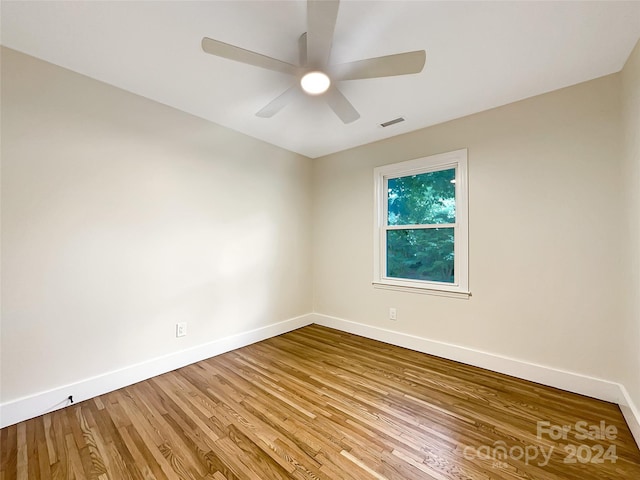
x=381 y=175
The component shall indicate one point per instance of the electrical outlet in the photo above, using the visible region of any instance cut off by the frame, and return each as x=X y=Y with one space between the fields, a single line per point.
x=181 y=329
x=393 y=314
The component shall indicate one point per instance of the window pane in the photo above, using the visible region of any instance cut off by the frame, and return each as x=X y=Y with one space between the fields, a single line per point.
x=421 y=254
x=426 y=198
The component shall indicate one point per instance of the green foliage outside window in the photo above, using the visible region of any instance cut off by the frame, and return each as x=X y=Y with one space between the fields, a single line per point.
x=422 y=253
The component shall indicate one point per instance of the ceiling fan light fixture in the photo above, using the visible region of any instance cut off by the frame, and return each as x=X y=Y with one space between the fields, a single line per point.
x=315 y=83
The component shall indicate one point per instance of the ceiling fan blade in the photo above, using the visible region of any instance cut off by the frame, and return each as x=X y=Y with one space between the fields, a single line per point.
x=341 y=106
x=302 y=49
x=278 y=103
x=321 y=22
x=387 y=66
x=231 y=52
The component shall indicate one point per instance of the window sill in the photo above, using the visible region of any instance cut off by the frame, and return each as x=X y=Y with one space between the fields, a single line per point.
x=422 y=290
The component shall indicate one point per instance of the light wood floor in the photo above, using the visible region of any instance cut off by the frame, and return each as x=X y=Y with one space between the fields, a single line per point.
x=321 y=404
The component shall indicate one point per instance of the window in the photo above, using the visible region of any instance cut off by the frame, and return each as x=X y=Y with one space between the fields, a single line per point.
x=421 y=225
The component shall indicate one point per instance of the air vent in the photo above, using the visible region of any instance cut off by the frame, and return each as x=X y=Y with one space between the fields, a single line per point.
x=392 y=122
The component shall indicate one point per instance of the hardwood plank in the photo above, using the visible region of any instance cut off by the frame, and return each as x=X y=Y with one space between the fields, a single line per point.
x=9 y=452
x=75 y=462
x=318 y=403
x=22 y=459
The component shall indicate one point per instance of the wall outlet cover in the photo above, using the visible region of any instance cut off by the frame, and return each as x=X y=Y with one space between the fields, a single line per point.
x=181 y=329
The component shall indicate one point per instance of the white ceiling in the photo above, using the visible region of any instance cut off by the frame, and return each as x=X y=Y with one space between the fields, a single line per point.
x=479 y=55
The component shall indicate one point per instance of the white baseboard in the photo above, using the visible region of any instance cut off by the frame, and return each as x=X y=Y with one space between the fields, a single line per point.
x=553 y=377
x=631 y=415
x=38 y=404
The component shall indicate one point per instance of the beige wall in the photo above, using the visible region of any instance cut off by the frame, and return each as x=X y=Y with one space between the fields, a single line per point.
x=121 y=217
x=631 y=118
x=545 y=255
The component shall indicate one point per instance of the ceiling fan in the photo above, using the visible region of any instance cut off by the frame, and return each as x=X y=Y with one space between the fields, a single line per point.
x=315 y=75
